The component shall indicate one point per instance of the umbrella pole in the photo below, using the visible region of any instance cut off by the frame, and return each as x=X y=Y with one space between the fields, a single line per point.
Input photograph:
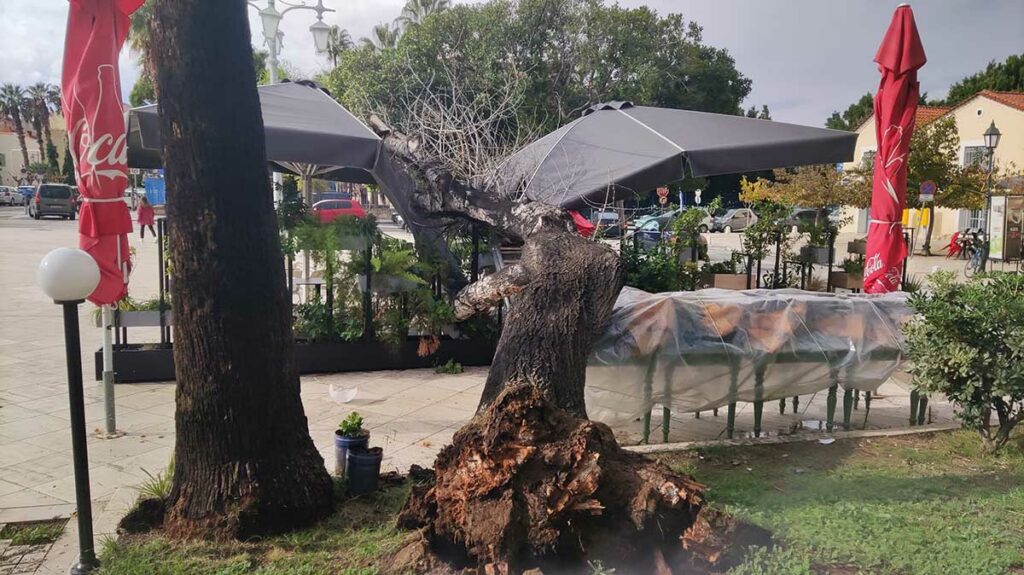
x=110 y=419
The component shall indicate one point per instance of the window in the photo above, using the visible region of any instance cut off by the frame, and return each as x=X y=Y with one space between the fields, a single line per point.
x=971 y=219
x=975 y=155
x=345 y=205
x=54 y=192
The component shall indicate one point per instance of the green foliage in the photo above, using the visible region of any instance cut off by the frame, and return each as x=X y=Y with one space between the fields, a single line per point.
x=352 y=425
x=732 y=265
x=935 y=155
x=1006 y=76
x=967 y=342
x=143 y=92
x=68 y=169
x=922 y=505
x=157 y=486
x=292 y=211
x=450 y=367
x=854 y=115
x=564 y=55
x=760 y=237
x=35 y=533
x=654 y=270
x=913 y=284
x=852 y=265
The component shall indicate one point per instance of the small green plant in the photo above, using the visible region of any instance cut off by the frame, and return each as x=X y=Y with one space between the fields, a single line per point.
x=33 y=533
x=966 y=341
x=352 y=426
x=157 y=486
x=732 y=265
x=760 y=237
x=451 y=367
x=913 y=284
x=854 y=266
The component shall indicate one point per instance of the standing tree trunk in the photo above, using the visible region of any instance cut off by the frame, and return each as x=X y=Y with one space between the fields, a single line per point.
x=244 y=461
x=19 y=130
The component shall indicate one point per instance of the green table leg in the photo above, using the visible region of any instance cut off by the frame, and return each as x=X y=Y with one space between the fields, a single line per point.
x=734 y=376
x=830 y=404
x=856 y=399
x=867 y=409
x=696 y=415
x=666 y=416
x=796 y=404
x=714 y=412
x=758 y=394
x=922 y=410
x=652 y=364
x=914 y=400
x=782 y=406
x=847 y=408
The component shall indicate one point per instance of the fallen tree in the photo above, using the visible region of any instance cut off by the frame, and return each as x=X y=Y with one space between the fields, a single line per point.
x=530 y=481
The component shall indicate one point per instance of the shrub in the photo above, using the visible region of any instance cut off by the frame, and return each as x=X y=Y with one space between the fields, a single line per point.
x=352 y=426
x=967 y=342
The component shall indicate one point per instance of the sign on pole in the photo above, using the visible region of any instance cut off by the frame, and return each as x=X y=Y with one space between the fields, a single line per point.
x=927 y=194
x=696 y=197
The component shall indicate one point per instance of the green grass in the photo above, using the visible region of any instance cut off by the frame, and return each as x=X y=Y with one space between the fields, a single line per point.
x=349 y=542
x=916 y=505
x=928 y=505
x=33 y=533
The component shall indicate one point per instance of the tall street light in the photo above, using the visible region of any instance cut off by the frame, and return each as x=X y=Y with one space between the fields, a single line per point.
x=68 y=276
x=271 y=18
x=991 y=135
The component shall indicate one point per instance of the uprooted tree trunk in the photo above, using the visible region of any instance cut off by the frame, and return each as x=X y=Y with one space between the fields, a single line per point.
x=530 y=481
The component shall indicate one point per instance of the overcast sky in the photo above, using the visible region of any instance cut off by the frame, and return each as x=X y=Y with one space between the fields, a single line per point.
x=805 y=57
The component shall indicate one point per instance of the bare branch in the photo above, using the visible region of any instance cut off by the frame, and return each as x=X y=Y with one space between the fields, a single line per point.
x=487 y=292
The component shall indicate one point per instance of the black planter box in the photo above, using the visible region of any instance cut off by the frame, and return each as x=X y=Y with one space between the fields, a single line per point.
x=148 y=362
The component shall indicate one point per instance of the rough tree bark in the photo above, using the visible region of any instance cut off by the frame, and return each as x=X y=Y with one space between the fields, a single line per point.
x=244 y=462
x=530 y=482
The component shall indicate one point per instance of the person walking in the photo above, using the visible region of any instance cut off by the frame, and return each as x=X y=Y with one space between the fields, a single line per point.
x=145 y=218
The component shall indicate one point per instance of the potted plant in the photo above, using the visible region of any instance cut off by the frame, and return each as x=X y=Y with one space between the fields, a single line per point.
x=349 y=435
x=362 y=469
x=818 y=249
x=857 y=247
x=724 y=275
x=852 y=276
x=392 y=271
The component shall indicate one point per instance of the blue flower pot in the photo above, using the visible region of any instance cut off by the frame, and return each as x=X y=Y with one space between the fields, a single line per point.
x=363 y=469
x=342 y=445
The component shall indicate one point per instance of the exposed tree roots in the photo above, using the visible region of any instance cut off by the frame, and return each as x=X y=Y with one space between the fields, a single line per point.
x=526 y=485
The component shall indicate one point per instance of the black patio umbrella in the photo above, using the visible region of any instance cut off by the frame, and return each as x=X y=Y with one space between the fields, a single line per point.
x=308 y=134
x=617 y=150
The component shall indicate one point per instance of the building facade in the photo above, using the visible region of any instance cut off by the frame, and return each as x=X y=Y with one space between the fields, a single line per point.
x=972 y=118
x=11 y=163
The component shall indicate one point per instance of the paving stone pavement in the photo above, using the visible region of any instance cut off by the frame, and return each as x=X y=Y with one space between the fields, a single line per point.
x=411 y=414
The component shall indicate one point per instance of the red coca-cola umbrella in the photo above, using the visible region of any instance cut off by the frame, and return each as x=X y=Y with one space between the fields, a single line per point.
x=583 y=227
x=898 y=58
x=91 y=102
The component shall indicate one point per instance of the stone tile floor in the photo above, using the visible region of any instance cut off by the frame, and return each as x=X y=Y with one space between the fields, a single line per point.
x=411 y=414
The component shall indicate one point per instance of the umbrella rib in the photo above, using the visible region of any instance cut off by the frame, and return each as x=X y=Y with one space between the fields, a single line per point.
x=659 y=134
x=529 y=182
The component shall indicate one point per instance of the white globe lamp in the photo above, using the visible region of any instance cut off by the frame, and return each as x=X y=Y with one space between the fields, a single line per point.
x=68 y=275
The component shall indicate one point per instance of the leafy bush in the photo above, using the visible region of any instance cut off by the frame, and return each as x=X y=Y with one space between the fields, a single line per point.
x=852 y=266
x=352 y=426
x=654 y=270
x=451 y=367
x=967 y=342
x=762 y=234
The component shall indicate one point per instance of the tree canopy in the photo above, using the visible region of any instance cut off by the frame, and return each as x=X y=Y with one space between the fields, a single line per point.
x=568 y=55
x=810 y=187
x=854 y=115
x=1006 y=76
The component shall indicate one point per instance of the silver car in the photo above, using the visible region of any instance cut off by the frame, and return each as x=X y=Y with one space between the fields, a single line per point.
x=10 y=196
x=734 y=220
x=52 y=200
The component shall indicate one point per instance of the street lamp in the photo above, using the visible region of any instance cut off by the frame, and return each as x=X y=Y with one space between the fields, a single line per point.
x=68 y=276
x=271 y=18
x=991 y=135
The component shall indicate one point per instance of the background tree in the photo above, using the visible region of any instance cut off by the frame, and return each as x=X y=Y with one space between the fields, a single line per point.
x=569 y=55
x=416 y=11
x=854 y=115
x=12 y=106
x=39 y=104
x=382 y=37
x=143 y=92
x=68 y=169
x=810 y=186
x=338 y=42
x=1006 y=76
x=244 y=462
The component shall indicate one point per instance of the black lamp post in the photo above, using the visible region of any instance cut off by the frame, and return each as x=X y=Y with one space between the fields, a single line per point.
x=68 y=276
x=991 y=135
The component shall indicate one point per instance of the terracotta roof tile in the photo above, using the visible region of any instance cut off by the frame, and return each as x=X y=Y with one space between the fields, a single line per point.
x=928 y=114
x=1012 y=99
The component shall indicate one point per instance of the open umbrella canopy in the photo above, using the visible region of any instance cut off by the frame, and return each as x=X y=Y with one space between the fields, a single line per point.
x=307 y=134
x=617 y=150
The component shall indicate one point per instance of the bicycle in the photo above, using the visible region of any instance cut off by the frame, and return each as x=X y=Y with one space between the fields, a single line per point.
x=975 y=256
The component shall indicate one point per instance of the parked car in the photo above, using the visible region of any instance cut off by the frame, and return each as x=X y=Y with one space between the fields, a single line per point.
x=10 y=196
x=801 y=220
x=326 y=211
x=53 y=200
x=734 y=220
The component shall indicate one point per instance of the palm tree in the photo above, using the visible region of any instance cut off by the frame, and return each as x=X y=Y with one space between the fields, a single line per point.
x=39 y=112
x=338 y=42
x=382 y=37
x=140 y=37
x=12 y=104
x=53 y=98
x=416 y=11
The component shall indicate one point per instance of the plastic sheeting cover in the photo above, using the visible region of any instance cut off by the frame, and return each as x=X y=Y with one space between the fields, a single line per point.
x=694 y=351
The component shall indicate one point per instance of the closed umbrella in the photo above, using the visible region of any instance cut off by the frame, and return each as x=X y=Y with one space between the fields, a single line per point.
x=617 y=150
x=91 y=103
x=898 y=58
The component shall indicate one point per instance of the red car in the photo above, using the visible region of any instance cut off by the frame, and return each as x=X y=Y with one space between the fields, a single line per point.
x=327 y=211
